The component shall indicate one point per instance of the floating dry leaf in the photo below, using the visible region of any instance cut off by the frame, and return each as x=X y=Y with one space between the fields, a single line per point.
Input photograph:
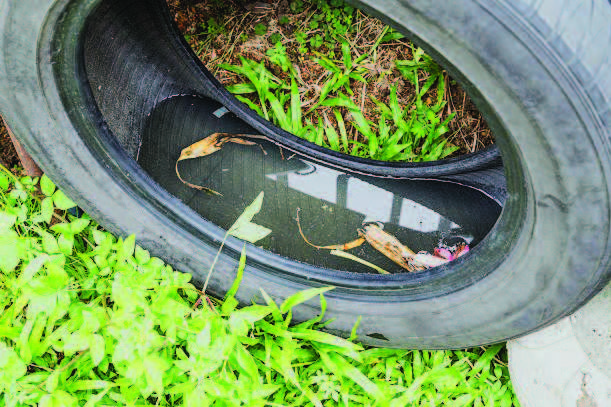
x=244 y=228
x=210 y=145
x=426 y=260
x=390 y=247
x=386 y=244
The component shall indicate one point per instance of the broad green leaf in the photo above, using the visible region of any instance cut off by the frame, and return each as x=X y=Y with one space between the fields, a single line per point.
x=347 y=54
x=59 y=398
x=84 y=385
x=78 y=225
x=250 y=104
x=4 y=179
x=241 y=320
x=97 y=349
x=279 y=111
x=51 y=382
x=351 y=372
x=485 y=359
x=154 y=368
x=127 y=247
x=46 y=211
x=62 y=202
x=142 y=256
x=230 y=302
x=301 y=297
x=264 y=390
x=332 y=136
x=7 y=220
x=242 y=88
x=66 y=243
x=244 y=229
x=12 y=367
x=323 y=337
x=47 y=186
x=246 y=362
x=62 y=228
x=31 y=269
x=270 y=302
x=10 y=250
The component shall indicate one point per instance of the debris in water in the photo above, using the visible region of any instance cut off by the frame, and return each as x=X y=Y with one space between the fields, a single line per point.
x=244 y=228
x=210 y=145
x=392 y=248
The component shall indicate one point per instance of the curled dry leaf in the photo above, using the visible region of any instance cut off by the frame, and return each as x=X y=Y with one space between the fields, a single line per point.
x=210 y=145
x=425 y=260
x=390 y=247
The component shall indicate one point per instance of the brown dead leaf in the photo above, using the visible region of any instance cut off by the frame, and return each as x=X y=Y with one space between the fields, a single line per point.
x=390 y=247
x=210 y=145
x=428 y=260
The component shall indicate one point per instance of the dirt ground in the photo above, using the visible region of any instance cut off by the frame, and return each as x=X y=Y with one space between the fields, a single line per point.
x=8 y=155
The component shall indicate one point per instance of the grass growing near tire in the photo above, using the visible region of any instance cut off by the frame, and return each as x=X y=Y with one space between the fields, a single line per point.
x=88 y=319
x=332 y=75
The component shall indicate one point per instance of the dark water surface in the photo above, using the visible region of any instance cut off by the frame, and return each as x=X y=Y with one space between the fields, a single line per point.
x=333 y=204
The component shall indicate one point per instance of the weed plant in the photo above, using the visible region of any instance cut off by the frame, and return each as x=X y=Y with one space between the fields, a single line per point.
x=88 y=319
x=414 y=133
x=313 y=83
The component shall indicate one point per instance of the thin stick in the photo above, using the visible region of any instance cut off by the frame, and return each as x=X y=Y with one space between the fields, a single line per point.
x=346 y=246
x=341 y=253
x=194 y=186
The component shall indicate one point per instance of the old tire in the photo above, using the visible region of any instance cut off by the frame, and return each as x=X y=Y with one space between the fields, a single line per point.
x=538 y=70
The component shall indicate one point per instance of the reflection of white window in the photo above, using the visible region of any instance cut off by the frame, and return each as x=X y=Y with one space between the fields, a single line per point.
x=322 y=186
x=373 y=202
x=417 y=217
x=369 y=200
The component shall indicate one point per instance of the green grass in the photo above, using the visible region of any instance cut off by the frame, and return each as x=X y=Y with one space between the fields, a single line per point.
x=88 y=319
x=312 y=74
x=413 y=133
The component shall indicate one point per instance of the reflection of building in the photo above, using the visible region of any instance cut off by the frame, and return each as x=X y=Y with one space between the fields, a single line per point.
x=377 y=204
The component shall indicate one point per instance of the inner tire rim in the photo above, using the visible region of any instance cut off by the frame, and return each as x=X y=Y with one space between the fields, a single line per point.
x=166 y=68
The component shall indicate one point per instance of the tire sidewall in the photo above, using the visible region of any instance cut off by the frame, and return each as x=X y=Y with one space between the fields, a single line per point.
x=553 y=232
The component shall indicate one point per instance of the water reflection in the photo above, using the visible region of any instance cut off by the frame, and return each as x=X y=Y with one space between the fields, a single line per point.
x=357 y=195
x=333 y=204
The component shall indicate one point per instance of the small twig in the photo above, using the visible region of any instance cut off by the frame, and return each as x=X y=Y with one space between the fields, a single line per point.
x=341 y=253
x=363 y=97
x=343 y=247
x=194 y=186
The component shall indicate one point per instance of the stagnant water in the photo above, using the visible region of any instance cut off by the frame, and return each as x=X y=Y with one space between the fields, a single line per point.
x=333 y=204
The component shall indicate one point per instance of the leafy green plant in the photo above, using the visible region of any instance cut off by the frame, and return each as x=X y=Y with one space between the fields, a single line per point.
x=275 y=38
x=212 y=28
x=296 y=6
x=99 y=321
x=260 y=29
x=410 y=133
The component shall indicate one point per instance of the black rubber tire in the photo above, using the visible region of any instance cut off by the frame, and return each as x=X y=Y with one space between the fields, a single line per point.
x=540 y=72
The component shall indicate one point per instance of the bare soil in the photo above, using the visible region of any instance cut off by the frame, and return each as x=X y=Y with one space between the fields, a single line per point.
x=8 y=154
